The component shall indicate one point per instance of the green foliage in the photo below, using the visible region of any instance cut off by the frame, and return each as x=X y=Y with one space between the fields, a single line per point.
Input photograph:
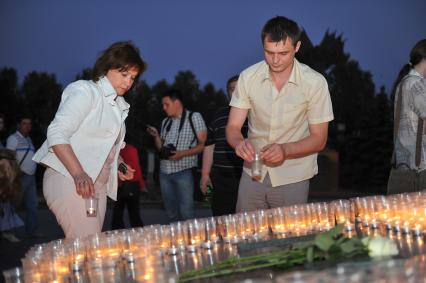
x=365 y=144
x=10 y=99
x=86 y=74
x=42 y=96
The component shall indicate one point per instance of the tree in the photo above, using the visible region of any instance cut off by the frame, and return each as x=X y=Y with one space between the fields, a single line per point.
x=42 y=96
x=208 y=101
x=364 y=144
x=86 y=74
x=11 y=102
x=187 y=83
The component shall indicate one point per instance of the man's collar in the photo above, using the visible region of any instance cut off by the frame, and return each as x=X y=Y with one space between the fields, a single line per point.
x=178 y=116
x=20 y=134
x=294 y=75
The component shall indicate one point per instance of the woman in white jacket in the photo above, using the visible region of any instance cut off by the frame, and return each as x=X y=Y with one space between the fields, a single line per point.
x=85 y=138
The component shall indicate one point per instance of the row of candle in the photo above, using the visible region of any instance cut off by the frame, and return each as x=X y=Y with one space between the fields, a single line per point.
x=401 y=212
x=133 y=246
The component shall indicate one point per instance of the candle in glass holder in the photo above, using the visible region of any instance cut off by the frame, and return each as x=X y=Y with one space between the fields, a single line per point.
x=230 y=233
x=342 y=211
x=177 y=237
x=278 y=221
x=261 y=224
x=247 y=226
x=256 y=167
x=195 y=233
x=211 y=234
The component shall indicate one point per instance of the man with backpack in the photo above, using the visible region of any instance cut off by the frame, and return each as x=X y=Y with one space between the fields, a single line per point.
x=181 y=138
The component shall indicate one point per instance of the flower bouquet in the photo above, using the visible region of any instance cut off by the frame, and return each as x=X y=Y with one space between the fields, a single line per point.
x=330 y=247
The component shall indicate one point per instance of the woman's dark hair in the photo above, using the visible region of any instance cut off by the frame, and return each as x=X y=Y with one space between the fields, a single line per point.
x=9 y=176
x=417 y=54
x=279 y=28
x=120 y=55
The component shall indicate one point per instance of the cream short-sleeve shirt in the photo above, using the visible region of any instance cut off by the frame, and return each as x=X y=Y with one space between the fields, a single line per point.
x=284 y=116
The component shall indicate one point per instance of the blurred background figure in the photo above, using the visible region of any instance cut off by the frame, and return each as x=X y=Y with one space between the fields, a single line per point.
x=221 y=166
x=21 y=143
x=180 y=140
x=2 y=130
x=129 y=191
x=409 y=116
x=9 y=192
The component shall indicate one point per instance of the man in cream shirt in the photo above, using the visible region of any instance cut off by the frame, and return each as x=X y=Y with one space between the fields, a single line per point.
x=288 y=107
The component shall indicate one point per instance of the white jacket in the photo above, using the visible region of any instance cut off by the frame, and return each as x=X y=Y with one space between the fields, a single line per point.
x=90 y=118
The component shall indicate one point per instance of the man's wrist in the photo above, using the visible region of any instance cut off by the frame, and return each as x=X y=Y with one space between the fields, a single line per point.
x=286 y=149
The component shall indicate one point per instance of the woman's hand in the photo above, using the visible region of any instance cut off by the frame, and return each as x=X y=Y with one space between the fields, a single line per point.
x=84 y=184
x=130 y=173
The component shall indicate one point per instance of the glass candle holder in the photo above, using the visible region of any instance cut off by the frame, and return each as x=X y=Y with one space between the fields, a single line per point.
x=256 y=167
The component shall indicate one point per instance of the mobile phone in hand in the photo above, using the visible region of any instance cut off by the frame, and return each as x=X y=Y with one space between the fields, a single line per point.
x=122 y=168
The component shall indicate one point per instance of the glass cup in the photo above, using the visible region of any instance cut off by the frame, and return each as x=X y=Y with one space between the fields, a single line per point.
x=342 y=214
x=13 y=275
x=256 y=167
x=211 y=234
x=91 y=206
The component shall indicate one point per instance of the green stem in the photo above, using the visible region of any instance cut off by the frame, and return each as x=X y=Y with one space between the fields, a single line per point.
x=274 y=259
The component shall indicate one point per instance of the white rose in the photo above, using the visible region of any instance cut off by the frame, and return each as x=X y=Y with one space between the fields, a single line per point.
x=380 y=246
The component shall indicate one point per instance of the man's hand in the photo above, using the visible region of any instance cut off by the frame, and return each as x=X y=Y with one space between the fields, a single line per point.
x=152 y=131
x=84 y=184
x=130 y=173
x=176 y=155
x=273 y=154
x=204 y=182
x=245 y=150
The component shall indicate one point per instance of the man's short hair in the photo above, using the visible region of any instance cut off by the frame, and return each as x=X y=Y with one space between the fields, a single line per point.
x=279 y=29
x=23 y=117
x=231 y=80
x=173 y=94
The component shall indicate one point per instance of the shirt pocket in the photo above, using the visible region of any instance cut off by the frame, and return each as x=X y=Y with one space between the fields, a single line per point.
x=294 y=114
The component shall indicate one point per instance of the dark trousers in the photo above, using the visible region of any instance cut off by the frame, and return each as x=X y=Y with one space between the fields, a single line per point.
x=28 y=183
x=225 y=191
x=127 y=195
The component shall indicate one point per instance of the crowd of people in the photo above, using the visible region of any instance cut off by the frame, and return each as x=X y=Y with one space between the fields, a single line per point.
x=278 y=118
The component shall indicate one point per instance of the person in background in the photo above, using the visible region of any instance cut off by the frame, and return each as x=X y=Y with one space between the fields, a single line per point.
x=129 y=191
x=221 y=166
x=21 y=143
x=84 y=139
x=288 y=106
x=9 y=190
x=181 y=139
x=411 y=81
x=2 y=130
